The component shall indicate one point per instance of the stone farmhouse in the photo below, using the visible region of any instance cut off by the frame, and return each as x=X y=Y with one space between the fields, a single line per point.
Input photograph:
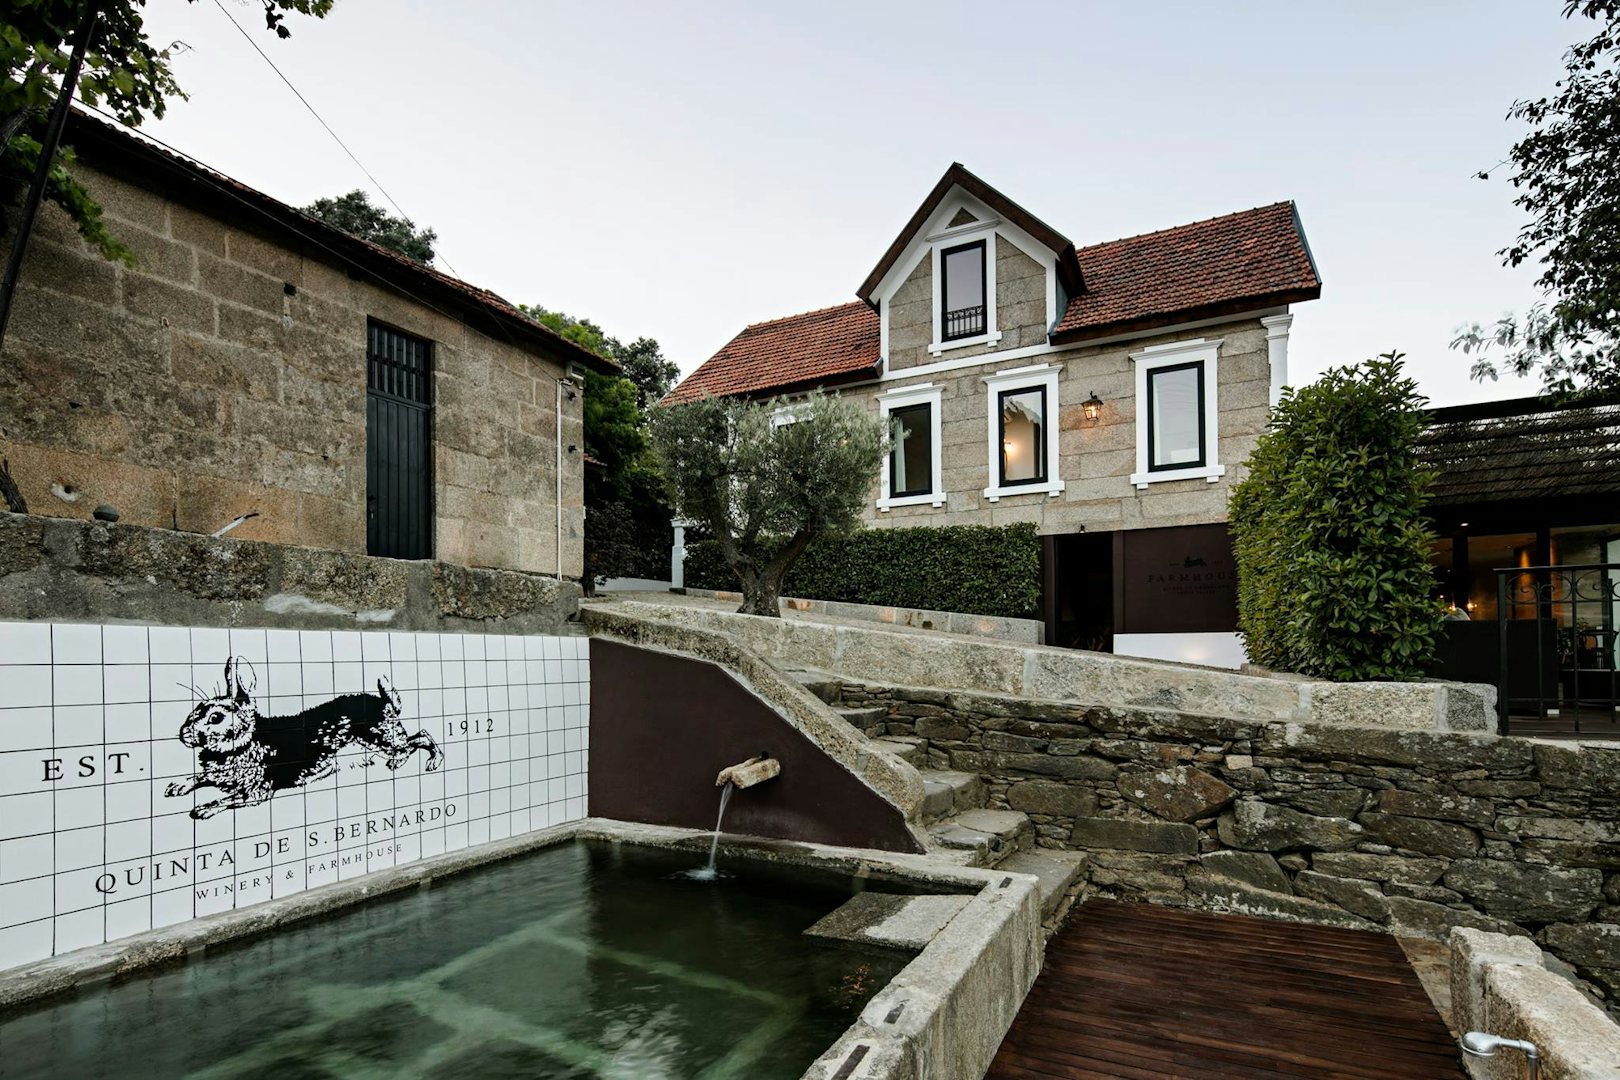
x=254 y=361
x=1107 y=393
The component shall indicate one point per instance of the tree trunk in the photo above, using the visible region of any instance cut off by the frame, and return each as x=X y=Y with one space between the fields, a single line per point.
x=763 y=589
x=760 y=596
x=8 y=490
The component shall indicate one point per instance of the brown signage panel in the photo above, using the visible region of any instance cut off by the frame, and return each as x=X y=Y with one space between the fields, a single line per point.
x=1176 y=580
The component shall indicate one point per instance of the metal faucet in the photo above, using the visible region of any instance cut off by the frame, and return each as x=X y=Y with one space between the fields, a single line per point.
x=1484 y=1045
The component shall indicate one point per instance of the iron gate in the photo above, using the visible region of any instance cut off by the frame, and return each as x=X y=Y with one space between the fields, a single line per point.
x=399 y=481
x=1559 y=648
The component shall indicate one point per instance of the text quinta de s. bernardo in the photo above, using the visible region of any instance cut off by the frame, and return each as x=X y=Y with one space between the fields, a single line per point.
x=270 y=857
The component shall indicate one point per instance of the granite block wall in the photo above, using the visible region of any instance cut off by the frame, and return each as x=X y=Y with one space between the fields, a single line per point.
x=1095 y=460
x=225 y=373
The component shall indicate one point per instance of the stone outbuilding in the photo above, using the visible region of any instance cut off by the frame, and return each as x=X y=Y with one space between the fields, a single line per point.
x=256 y=363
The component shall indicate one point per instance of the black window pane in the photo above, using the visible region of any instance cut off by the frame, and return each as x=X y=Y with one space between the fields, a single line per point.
x=911 y=458
x=1176 y=417
x=962 y=291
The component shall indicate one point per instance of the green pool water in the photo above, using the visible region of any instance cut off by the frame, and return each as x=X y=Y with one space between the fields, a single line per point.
x=581 y=961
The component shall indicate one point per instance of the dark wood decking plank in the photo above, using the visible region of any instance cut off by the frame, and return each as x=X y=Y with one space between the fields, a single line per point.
x=1272 y=1038
x=1135 y=992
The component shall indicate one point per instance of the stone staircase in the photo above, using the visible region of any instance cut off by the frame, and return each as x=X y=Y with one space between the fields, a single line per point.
x=956 y=819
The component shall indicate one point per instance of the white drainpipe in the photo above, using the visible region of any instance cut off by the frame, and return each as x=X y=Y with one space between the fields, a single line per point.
x=559 y=477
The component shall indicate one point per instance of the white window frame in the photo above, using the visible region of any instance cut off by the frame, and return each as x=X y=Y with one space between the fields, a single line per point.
x=1200 y=351
x=1033 y=377
x=932 y=396
x=967 y=233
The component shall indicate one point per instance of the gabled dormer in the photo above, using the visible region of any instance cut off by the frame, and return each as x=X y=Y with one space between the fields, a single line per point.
x=972 y=272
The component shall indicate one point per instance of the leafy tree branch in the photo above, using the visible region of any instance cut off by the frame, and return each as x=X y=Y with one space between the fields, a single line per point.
x=125 y=74
x=1330 y=531
x=357 y=215
x=1567 y=175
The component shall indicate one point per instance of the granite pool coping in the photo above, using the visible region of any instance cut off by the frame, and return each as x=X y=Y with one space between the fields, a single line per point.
x=948 y=1008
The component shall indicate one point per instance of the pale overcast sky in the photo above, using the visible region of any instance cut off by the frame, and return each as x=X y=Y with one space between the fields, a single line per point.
x=682 y=170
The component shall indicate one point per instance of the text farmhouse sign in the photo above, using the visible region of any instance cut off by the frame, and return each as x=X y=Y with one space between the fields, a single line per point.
x=150 y=775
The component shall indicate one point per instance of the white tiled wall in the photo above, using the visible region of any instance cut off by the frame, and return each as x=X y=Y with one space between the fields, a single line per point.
x=91 y=847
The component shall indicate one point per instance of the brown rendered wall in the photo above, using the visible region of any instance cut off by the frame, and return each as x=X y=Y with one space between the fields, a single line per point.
x=1180 y=580
x=191 y=388
x=662 y=727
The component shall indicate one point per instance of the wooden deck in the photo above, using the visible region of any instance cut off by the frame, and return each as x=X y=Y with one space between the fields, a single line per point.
x=1137 y=992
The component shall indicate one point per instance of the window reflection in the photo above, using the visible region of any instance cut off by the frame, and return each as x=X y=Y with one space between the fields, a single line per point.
x=1023 y=440
x=911 y=455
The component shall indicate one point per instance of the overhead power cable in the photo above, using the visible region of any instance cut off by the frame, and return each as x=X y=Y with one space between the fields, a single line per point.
x=240 y=29
x=205 y=174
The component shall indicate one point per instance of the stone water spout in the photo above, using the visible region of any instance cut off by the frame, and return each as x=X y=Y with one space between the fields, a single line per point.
x=745 y=774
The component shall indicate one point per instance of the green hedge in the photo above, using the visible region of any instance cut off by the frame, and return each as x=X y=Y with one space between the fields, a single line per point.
x=978 y=569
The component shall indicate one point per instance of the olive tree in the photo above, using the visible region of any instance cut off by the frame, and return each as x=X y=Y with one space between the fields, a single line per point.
x=766 y=488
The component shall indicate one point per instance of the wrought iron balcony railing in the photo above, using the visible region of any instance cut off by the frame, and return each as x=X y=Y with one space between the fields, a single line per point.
x=964 y=322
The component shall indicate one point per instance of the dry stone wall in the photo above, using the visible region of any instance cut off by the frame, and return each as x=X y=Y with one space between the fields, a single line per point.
x=52 y=569
x=1408 y=831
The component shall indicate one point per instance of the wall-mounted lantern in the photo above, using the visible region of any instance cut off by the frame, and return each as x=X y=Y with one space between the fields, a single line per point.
x=1092 y=408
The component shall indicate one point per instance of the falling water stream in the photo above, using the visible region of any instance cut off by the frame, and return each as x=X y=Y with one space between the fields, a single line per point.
x=710 y=872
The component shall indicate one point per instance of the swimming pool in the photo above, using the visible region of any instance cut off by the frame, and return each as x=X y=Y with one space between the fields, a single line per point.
x=583 y=960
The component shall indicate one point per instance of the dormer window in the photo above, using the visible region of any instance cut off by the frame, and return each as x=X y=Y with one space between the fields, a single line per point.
x=962 y=291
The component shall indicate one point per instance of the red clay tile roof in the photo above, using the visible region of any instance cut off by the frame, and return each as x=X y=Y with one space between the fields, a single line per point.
x=1210 y=267
x=829 y=345
x=1223 y=265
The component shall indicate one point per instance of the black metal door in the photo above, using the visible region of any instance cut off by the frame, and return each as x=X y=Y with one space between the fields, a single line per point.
x=399 y=481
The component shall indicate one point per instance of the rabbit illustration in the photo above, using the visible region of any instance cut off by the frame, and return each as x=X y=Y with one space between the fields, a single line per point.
x=249 y=757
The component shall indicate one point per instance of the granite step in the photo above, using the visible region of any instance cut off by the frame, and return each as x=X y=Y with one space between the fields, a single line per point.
x=888 y=921
x=864 y=719
x=946 y=793
x=912 y=750
x=820 y=683
x=1060 y=873
x=986 y=836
